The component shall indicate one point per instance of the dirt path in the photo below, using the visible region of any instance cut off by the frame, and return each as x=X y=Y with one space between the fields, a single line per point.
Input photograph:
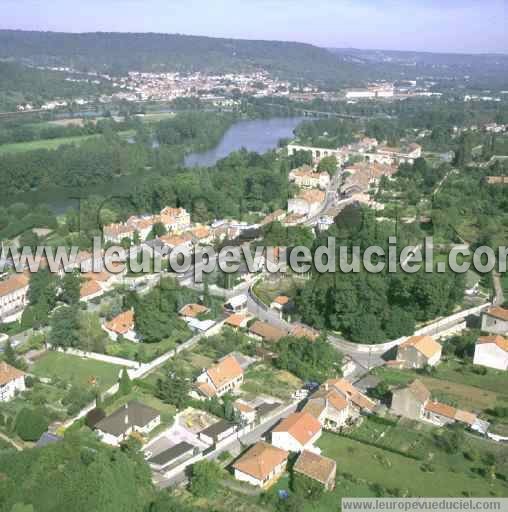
x=10 y=441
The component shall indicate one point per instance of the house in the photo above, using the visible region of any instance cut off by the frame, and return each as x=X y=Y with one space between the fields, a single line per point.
x=410 y=402
x=305 y=177
x=261 y=465
x=12 y=381
x=237 y=321
x=202 y=235
x=307 y=203
x=297 y=432
x=414 y=402
x=13 y=297
x=276 y=216
x=236 y=304
x=193 y=311
x=246 y=411
x=132 y=417
x=329 y=407
x=318 y=468
x=495 y=321
x=359 y=402
x=172 y=456
x=175 y=219
x=217 y=432
x=419 y=351
x=224 y=377
x=115 y=233
x=492 y=352
x=280 y=302
x=121 y=325
x=266 y=332
x=90 y=290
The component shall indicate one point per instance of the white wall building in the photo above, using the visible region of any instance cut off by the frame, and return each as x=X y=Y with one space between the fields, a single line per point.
x=13 y=297
x=12 y=381
x=299 y=431
x=492 y=352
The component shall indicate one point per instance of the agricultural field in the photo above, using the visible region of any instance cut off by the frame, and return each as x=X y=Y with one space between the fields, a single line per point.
x=21 y=147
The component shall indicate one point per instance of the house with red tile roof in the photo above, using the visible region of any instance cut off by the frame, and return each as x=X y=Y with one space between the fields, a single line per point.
x=329 y=407
x=224 y=377
x=121 y=325
x=418 y=352
x=13 y=297
x=261 y=465
x=318 y=468
x=495 y=321
x=298 y=432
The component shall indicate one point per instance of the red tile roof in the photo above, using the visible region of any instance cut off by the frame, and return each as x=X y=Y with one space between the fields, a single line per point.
x=300 y=425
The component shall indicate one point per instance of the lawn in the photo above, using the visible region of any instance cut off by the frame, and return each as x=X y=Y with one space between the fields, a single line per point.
x=392 y=471
x=21 y=147
x=57 y=365
x=144 y=352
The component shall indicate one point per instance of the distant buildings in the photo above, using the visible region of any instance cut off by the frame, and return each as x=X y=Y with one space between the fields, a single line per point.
x=307 y=203
x=306 y=177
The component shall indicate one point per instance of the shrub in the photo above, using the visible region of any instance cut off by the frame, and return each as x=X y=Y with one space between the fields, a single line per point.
x=30 y=424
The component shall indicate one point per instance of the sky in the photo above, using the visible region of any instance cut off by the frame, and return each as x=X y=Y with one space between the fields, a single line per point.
x=462 y=26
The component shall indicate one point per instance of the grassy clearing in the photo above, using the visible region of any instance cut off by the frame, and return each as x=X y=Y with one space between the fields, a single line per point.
x=73 y=369
x=266 y=290
x=144 y=352
x=261 y=379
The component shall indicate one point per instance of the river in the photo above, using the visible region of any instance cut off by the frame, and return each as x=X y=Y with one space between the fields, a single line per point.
x=258 y=135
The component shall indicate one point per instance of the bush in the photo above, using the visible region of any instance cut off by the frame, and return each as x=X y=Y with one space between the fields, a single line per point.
x=31 y=424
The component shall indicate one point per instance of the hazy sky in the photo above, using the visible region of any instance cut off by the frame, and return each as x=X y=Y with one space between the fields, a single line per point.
x=433 y=25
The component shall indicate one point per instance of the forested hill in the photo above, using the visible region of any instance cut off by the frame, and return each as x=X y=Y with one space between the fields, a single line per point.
x=120 y=52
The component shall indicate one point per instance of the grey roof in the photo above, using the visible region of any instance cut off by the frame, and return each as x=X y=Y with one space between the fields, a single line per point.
x=169 y=455
x=132 y=414
x=266 y=408
x=47 y=438
x=217 y=428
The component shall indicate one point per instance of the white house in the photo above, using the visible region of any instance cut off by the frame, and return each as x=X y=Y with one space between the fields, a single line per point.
x=299 y=431
x=330 y=408
x=492 y=351
x=261 y=465
x=225 y=376
x=13 y=297
x=236 y=304
x=132 y=417
x=12 y=381
x=121 y=325
x=305 y=177
x=495 y=321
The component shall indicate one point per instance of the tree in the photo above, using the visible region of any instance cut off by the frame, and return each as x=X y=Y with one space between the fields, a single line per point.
x=173 y=389
x=204 y=478
x=328 y=164
x=71 y=284
x=125 y=383
x=158 y=230
x=30 y=424
x=65 y=327
x=10 y=356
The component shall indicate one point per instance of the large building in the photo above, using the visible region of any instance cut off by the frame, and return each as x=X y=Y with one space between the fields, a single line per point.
x=306 y=177
x=495 y=321
x=13 y=297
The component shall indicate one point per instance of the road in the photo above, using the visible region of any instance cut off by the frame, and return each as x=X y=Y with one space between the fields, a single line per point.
x=11 y=442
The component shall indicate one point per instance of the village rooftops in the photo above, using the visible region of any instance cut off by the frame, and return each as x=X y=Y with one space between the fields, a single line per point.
x=175 y=452
x=89 y=288
x=315 y=466
x=132 y=414
x=266 y=331
x=424 y=344
x=300 y=425
x=121 y=324
x=499 y=341
x=261 y=460
x=441 y=409
x=237 y=320
x=13 y=283
x=214 y=431
x=347 y=390
x=8 y=373
x=498 y=312
x=419 y=390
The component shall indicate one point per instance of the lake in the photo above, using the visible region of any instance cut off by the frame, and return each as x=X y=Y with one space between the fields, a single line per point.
x=260 y=136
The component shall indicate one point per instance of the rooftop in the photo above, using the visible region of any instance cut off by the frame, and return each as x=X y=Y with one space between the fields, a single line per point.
x=8 y=373
x=424 y=344
x=169 y=455
x=224 y=371
x=122 y=323
x=498 y=312
x=501 y=342
x=301 y=425
x=266 y=331
x=131 y=414
x=260 y=460
x=315 y=466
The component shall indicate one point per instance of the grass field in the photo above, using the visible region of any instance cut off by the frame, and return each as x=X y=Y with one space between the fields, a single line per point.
x=21 y=147
x=57 y=365
x=144 y=352
x=263 y=380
